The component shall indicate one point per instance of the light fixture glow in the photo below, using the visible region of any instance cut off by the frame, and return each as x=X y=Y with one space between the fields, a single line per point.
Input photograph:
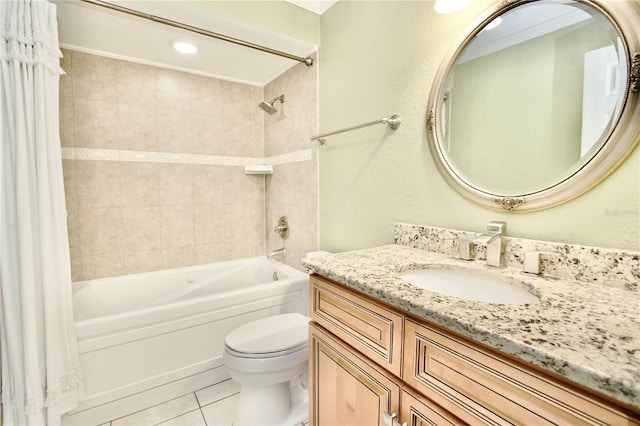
x=450 y=6
x=184 y=46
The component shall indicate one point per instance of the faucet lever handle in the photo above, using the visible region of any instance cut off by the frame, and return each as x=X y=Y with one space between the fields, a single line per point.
x=531 y=263
x=465 y=249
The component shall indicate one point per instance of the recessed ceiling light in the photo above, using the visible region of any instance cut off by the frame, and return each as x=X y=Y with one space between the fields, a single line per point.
x=184 y=46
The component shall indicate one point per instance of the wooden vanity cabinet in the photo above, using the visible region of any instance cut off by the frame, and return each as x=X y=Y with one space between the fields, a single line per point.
x=416 y=410
x=429 y=376
x=346 y=388
x=370 y=327
x=484 y=387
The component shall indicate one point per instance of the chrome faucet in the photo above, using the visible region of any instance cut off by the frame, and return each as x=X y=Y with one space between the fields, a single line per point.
x=279 y=252
x=492 y=239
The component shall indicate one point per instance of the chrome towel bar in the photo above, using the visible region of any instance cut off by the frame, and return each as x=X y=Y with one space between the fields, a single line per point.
x=393 y=122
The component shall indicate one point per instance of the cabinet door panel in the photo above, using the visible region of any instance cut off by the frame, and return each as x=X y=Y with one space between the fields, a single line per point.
x=419 y=411
x=344 y=387
x=371 y=328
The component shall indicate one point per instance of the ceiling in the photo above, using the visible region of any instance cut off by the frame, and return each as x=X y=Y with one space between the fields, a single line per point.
x=95 y=29
x=315 y=6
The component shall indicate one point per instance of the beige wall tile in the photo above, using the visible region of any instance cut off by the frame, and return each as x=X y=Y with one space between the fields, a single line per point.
x=176 y=184
x=292 y=189
x=206 y=129
x=173 y=88
x=239 y=249
x=73 y=229
x=242 y=120
x=140 y=183
x=177 y=226
x=174 y=130
x=142 y=261
x=70 y=183
x=95 y=124
x=76 y=269
x=98 y=183
x=140 y=229
x=66 y=83
x=208 y=184
x=290 y=130
x=94 y=77
x=211 y=253
x=94 y=267
x=209 y=224
x=240 y=188
x=178 y=257
x=66 y=121
x=206 y=95
x=244 y=222
x=137 y=127
x=136 y=84
x=100 y=231
x=136 y=217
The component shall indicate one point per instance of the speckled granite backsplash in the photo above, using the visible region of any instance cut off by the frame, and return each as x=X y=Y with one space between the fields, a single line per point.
x=614 y=268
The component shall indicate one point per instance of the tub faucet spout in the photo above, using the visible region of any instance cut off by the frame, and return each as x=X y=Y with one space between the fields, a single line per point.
x=279 y=252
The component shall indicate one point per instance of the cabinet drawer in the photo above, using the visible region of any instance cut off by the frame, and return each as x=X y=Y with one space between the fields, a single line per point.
x=369 y=327
x=481 y=387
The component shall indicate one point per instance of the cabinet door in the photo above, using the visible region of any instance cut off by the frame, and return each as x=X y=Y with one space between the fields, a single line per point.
x=345 y=388
x=419 y=411
x=369 y=327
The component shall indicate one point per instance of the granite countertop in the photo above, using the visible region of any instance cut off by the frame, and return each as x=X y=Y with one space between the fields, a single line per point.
x=587 y=333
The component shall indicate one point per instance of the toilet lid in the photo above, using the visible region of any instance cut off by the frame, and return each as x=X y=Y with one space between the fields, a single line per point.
x=268 y=335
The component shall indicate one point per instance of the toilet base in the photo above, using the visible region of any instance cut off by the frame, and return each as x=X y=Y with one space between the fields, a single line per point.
x=282 y=404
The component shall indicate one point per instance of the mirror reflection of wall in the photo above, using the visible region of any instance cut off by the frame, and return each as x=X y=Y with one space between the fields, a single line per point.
x=515 y=108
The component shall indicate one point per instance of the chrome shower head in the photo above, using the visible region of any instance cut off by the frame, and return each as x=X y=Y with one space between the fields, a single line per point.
x=268 y=106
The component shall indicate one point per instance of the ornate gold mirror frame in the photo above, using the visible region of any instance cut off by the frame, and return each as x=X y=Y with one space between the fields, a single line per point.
x=622 y=139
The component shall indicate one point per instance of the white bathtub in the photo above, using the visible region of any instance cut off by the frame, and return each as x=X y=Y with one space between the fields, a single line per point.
x=151 y=337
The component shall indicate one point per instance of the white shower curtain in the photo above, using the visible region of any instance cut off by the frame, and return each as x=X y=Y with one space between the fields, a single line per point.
x=41 y=377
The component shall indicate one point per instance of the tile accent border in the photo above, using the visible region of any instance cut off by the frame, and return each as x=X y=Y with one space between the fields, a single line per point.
x=178 y=158
x=609 y=267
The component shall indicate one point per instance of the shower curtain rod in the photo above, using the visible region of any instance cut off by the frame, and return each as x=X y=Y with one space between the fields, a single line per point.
x=307 y=61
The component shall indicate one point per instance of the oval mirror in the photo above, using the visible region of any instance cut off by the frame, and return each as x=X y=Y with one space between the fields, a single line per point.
x=538 y=103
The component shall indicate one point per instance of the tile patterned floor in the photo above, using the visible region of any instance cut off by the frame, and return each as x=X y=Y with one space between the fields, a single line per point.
x=211 y=406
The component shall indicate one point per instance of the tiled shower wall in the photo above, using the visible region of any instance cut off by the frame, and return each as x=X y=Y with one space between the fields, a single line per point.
x=292 y=190
x=146 y=176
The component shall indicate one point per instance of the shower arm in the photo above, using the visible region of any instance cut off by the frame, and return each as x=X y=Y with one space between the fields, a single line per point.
x=393 y=122
x=308 y=61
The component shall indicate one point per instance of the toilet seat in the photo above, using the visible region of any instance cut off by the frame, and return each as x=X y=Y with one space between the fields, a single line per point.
x=274 y=336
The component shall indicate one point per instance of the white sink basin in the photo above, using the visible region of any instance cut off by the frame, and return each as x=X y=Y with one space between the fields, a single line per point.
x=470 y=285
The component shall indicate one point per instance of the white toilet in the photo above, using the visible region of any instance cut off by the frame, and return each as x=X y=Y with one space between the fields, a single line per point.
x=268 y=358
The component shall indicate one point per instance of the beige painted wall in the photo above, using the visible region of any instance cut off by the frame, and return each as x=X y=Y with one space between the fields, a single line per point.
x=380 y=58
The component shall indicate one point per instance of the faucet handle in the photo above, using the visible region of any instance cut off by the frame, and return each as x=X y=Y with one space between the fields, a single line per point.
x=465 y=249
x=496 y=227
x=531 y=263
